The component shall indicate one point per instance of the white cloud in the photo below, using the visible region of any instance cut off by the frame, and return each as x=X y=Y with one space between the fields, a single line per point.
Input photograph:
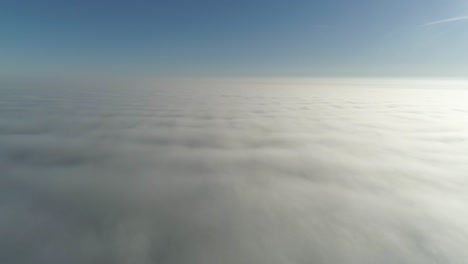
x=453 y=19
x=257 y=171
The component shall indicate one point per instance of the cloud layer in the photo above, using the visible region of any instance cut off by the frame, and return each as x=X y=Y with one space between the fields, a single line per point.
x=252 y=171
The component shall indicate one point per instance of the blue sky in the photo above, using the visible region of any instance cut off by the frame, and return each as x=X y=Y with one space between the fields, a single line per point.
x=240 y=38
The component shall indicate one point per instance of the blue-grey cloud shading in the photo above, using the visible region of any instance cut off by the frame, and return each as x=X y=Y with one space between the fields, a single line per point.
x=234 y=171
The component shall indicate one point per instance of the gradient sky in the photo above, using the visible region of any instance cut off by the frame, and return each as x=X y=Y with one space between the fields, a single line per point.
x=241 y=37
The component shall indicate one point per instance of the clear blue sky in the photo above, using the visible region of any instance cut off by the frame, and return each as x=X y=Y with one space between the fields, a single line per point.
x=236 y=37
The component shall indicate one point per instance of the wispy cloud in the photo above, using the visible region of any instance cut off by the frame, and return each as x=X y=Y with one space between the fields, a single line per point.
x=453 y=19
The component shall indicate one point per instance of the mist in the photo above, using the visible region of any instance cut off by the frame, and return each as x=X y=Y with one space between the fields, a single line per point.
x=234 y=171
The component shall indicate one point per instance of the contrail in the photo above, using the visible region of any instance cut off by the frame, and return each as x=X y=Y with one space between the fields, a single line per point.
x=446 y=21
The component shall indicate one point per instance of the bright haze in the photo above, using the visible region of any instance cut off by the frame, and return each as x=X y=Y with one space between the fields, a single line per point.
x=232 y=132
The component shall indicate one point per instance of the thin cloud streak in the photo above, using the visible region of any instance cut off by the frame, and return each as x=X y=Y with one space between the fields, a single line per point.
x=453 y=19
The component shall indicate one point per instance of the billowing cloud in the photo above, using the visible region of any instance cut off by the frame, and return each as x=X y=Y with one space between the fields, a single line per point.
x=240 y=171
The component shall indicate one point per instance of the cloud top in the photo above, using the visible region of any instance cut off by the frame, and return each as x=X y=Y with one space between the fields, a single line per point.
x=265 y=171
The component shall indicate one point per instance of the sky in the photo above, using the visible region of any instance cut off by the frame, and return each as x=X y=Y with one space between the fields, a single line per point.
x=236 y=38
